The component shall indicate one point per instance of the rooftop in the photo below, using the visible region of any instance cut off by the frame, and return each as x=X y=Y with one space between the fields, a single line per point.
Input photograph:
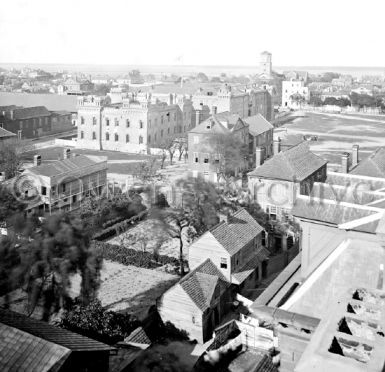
x=60 y=167
x=239 y=230
x=42 y=330
x=257 y=124
x=200 y=284
x=30 y=112
x=6 y=134
x=372 y=166
x=294 y=164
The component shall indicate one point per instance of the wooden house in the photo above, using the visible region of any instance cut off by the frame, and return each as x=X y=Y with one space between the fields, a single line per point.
x=198 y=302
x=235 y=247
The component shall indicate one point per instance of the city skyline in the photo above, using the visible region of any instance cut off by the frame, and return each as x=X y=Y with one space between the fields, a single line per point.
x=203 y=33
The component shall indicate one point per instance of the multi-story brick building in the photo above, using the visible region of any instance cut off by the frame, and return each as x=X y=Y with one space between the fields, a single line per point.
x=135 y=125
x=33 y=122
x=62 y=185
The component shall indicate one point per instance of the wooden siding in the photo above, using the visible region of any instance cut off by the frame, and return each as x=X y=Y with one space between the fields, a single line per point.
x=177 y=307
x=208 y=247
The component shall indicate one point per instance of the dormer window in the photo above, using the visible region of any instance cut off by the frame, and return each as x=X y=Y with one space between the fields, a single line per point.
x=223 y=263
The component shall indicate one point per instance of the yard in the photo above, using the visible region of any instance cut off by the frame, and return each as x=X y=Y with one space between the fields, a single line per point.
x=337 y=133
x=129 y=288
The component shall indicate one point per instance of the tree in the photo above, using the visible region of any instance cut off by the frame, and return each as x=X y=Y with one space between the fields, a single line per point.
x=10 y=158
x=148 y=171
x=231 y=155
x=48 y=261
x=168 y=145
x=299 y=99
x=93 y=321
x=9 y=205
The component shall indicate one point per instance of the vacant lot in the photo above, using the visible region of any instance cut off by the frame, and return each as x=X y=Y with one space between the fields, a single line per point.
x=337 y=133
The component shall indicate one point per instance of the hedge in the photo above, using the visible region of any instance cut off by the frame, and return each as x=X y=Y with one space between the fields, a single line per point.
x=128 y=256
x=118 y=227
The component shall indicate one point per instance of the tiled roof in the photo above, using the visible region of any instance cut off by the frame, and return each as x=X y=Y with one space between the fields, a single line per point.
x=30 y=112
x=50 y=333
x=241 y=274
x=294 y=164
x=252 y=360
x=239 y=230
x=200 y=284
x=257 y=124
x=334 y=213
x=21 y=351
x=66 y=165
x=373 y=166
x=138 y=336
x=5 y=133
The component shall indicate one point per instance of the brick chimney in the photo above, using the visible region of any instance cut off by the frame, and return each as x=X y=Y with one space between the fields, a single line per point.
x=259 y=156
x=277 y=146
x=345 y=162
x=355 y=151
x=66 y=153
x=37 y=160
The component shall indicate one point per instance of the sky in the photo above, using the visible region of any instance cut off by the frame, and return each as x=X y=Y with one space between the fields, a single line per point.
x=195 y=32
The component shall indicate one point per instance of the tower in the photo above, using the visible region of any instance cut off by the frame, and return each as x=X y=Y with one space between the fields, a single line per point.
x=265 y=64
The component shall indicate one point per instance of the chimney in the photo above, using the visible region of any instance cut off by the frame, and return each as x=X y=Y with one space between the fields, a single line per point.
x=214 y=110
x=66 y=153
x=37 y=160
x=277 y=146
x=355 y=155
x=197 y=117
x=259 y=155
x=345 y=162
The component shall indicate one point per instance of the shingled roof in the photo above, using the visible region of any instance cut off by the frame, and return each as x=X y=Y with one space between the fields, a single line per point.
x=200 y=284
x=239 y=230
x=66 y=165
x=6 y=134
x=42 y=330
x=294 y=164
x=373 y=166
x=257 y=124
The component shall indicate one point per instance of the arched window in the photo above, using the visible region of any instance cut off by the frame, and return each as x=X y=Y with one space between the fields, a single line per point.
x=140 y=139
x=127 y=138
x=116 y=137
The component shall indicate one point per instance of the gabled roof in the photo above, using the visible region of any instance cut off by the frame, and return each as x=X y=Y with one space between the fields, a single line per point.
x=257 y=124
x=5 y=133
x=233 y=121
x=21 y=351
x=30 y=112
x=200 y=284
x=239 y=230
x=42 y=330
x=294 y=164
x=373 y=166
x=66 y=165
x=210 y=125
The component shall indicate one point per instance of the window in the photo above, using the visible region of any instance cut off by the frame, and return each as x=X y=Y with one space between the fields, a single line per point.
x=206 y=159
x=94 y=121
x=43 y=190
x=107 y=136
x=196 y=139
x=168 y=117
x=140 y=139
x=174 y=116
x=149 y=139
x=81 y=134
x=116 y=122
x=107 y=122
x=63 y=187
x=196 y=157
x=82 y=120
x=168 y=130
x=116 y=137
x=161 y=133
x=127 y=138
x=216 y=159
x=94 y=135
x=149 y=123
x=127 y=123
x=140 y=124
x=223 y=263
